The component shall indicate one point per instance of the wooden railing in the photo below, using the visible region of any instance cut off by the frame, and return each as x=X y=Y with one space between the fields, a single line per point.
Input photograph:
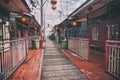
x=80 y=46
x=12 y=54
x=113 y=57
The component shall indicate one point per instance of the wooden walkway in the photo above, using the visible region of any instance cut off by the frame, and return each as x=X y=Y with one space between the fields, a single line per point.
x=31 y=68
x=56 y=66
x=54 y=62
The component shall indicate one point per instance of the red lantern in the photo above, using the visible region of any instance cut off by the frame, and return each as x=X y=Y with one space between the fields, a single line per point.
x=53 y=2
x=53 y=7
x=31 y=21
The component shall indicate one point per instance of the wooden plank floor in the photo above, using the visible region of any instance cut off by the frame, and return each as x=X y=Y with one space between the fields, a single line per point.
x=56 y=66
x=94 y=69
x=31 y=68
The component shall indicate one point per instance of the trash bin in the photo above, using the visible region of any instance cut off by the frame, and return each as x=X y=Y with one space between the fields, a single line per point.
x=64 y=44
x=35 y=43
x=2 y=75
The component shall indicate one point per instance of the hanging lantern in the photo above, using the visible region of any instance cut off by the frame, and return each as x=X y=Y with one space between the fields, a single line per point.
x=56 y=28
x=74 y=23
x=53 y=7
x=53 y=2
x=60 y=29
x=23 y=19
x=31 y=21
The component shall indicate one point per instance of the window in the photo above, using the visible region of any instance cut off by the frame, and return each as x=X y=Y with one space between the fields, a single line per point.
x=112 y=32
x=0 y=30
x=6 y=34
x=95 y=33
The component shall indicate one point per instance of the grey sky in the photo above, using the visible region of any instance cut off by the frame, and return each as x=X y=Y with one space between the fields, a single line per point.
x=65 y=6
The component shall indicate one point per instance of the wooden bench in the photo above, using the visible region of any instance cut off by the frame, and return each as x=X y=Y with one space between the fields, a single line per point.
x=94 y=46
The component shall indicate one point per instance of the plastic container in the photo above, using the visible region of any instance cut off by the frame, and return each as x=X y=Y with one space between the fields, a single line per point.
x=35 y=43
x=64 y=44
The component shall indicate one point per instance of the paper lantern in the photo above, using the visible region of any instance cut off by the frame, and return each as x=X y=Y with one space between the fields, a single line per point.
x=53 y=7
x=74 y=23
x=53 y=2
x=23 y=19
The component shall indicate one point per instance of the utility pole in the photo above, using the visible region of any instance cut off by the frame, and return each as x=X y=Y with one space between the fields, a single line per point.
x=42 y=20
x=41 y=11
x=41 y=35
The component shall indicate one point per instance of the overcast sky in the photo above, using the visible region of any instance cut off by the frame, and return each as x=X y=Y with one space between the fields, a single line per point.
x=65 y=6
x=54 y=17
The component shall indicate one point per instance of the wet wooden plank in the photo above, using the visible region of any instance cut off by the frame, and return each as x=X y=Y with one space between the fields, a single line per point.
x=56 y=66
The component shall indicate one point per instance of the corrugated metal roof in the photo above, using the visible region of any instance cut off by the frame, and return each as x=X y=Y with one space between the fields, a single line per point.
x=14 y=5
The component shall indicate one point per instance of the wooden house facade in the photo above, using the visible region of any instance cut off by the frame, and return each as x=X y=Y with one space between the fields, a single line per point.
x=104 y=24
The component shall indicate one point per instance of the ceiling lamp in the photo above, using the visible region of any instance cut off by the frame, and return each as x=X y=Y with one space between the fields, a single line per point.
x=23 y=19
x=53 y=2
x=74 y=23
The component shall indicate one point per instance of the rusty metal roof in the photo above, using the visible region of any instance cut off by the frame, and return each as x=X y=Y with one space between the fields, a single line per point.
x=82 y=10
x=14 y=5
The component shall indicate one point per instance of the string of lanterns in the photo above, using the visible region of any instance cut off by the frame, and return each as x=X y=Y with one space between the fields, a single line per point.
x=54 y=2
x=24 y=19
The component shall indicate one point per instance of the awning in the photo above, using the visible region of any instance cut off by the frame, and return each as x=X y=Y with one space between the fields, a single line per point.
x=14 y=5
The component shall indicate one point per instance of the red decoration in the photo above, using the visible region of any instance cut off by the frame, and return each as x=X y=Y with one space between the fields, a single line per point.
x=74 y=23
x=53 y=7
x=53 y=2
